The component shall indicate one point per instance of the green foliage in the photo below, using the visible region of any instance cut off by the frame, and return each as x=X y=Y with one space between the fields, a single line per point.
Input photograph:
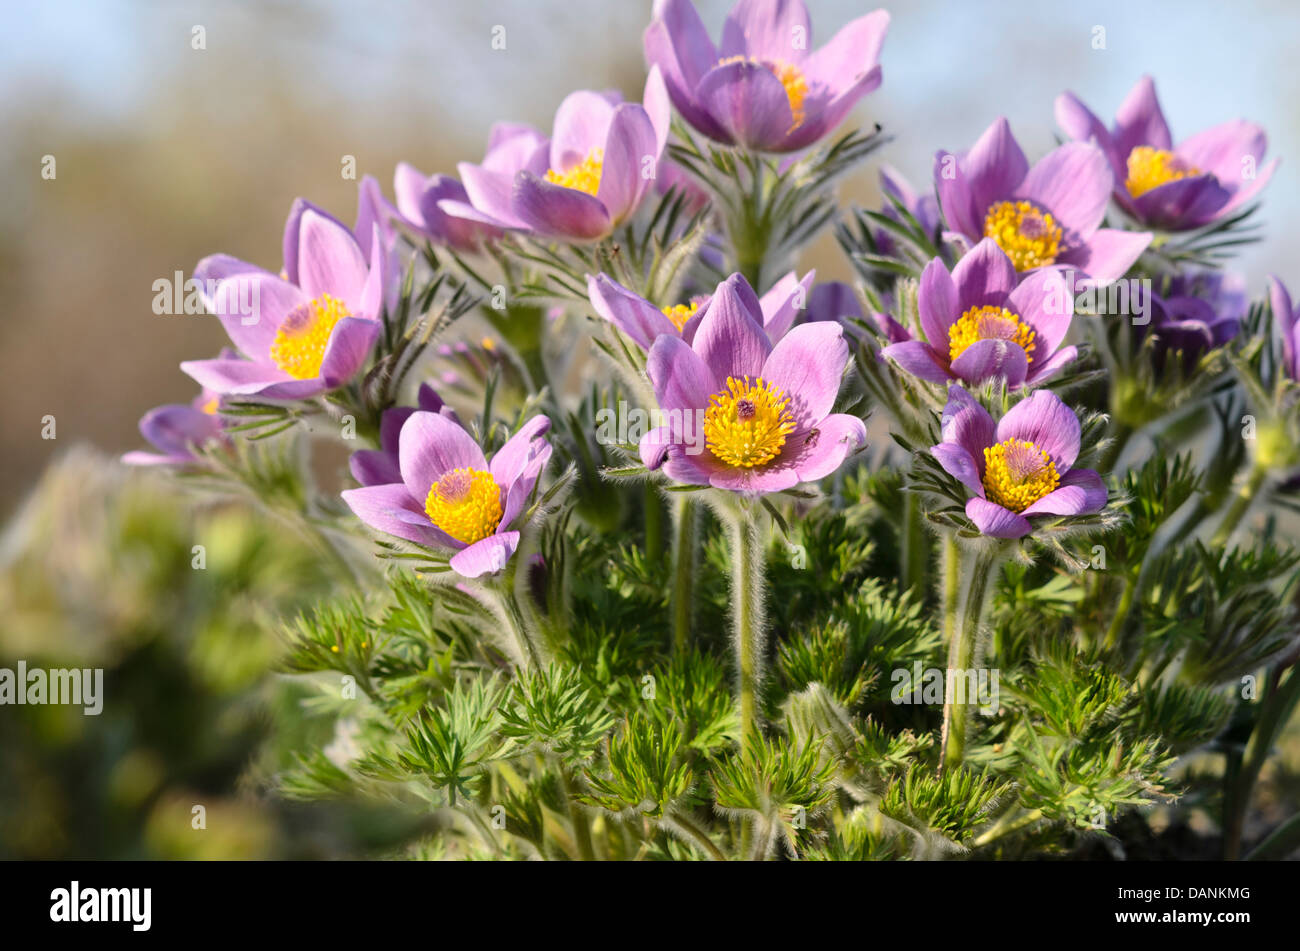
x=642 y=771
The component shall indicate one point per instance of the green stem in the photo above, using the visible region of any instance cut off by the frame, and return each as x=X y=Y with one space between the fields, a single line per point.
x=912 y=554
x=654 y=523
x=581 y=830
x=685 y=520
x=1121 y=612
x=678 y=822
x=1241 y=504
x=1275 y=712
x=1005 y=827
x=962 y=650
x=512 y=616
x=951 y=585
x=746 y=616
x=1121 y=435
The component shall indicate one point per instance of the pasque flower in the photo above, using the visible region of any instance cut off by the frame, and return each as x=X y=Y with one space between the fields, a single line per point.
x=1287 y=321
x=1048 y=214
x=416 y=208
x=1174 y=188
x=984 y=320
x=645 y=323
x=450 y=497
x=381 y=466
x=764 y=87
x=1018 y=467
x=1198 y=312
x=313 y=326
x=176 y=429
x=744 y=414
x=582 y=182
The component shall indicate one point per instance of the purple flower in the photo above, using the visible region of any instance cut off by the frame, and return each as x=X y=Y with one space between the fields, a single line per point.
x=983 y=321
x=645 y=323
x=1048 y=214
x=1198 y=312
x=1287 y=321
x=450 y=497
x=177 y=428
x=417 y=197
x=1204 y=179
x=924 y=208
x=743 y=414
x=581 y=183
x=762 y=88
x=303 y=333
x=380 y=466
x=1018 y=467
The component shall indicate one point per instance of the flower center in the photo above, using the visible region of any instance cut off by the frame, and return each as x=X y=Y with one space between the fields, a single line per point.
x=746 y=425
x=211 y=406
x=299 y=345
x=989 y=323
x=679 y=314
x=466 y=504
x=1017 y=473
x=791 y=77
x=1150 y=168
x=583 y=177
x=1029 y=236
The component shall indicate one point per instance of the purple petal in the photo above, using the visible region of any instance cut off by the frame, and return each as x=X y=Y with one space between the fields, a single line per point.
x=966 y=423
x=995 y=521
x=293 y=235
x=270 y=301
x=986 y=359
x=822 y=118
x=375 y=467
x=1284 y=318
x=1079 y=123
x=1108 y=254
x=783 y=302
x=820 y=451
x=520 y=489
x=432 y=445
x=960 y=464
x=630 y=313
x=512 y=458
x=658 y=107
x=1040 y=371
x=937 y=301
x=767 y=29
x=581 y=125
x=558 y=211
x=1182 y=203
x=807 y=366
x=1042 y=419
x=487 y=556
x=1044 y=301
x=679 y=46
x=247 y=378
x=730 y=338
x=1220 y=150
x=774 y=477
x=349 y=346
x=1139 y=121
x=392 y=510
x=982 y=278
x=330 y=260
x=680 y=377
x=851 y=54
x=991 y=171
x=175 y=428
x=490 y=197
x=631 y=150
x=918 y=359
x=1081 y=493
x=748 y=102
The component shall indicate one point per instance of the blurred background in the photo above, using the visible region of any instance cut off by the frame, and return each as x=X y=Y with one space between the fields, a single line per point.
x=164 y=153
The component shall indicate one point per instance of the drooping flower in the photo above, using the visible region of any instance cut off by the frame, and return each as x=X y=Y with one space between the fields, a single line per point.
x=581 y=183
x=416 y=208
x=1040 y=216
x=984 y=320
x=450 y=497
x=764 y=88
x=1018 y=467
x=645 y=323
x=176 y=429
x=1287 y=321
x=1202 y=180
x=743 y=414
x=1198 y=312
x=309 y=330
x=381 y=466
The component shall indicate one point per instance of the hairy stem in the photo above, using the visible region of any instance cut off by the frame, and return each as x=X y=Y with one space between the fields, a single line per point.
x=912 y=551
x=685 y=520
x=746 y=616
x=951 y=585
x=578 y=818
x=969 y=616
x=678 y=822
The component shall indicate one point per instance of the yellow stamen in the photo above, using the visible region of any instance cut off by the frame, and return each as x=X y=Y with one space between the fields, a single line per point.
x=299 y=345
x=1150 y=168
x=1017 y=474
x=489 y=344
x=791 y=77
x=747 y=425
x=679 y=314
x=583 y=177
x=989 y=323
x=466 y=504
x=212 y=405
x=1029 y=236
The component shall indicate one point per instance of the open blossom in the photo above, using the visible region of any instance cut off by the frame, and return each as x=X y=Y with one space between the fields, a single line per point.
x=743 y=414
x=177 y=428
x=449 y=496
x=645 y=323
x=312 y=329
x=764 y=87
x=1019 y=466
x=1048 y=214
x=1175 y=188
x=582 y=182
x=1287 y=321
x=381 y=466
x=984 y=320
